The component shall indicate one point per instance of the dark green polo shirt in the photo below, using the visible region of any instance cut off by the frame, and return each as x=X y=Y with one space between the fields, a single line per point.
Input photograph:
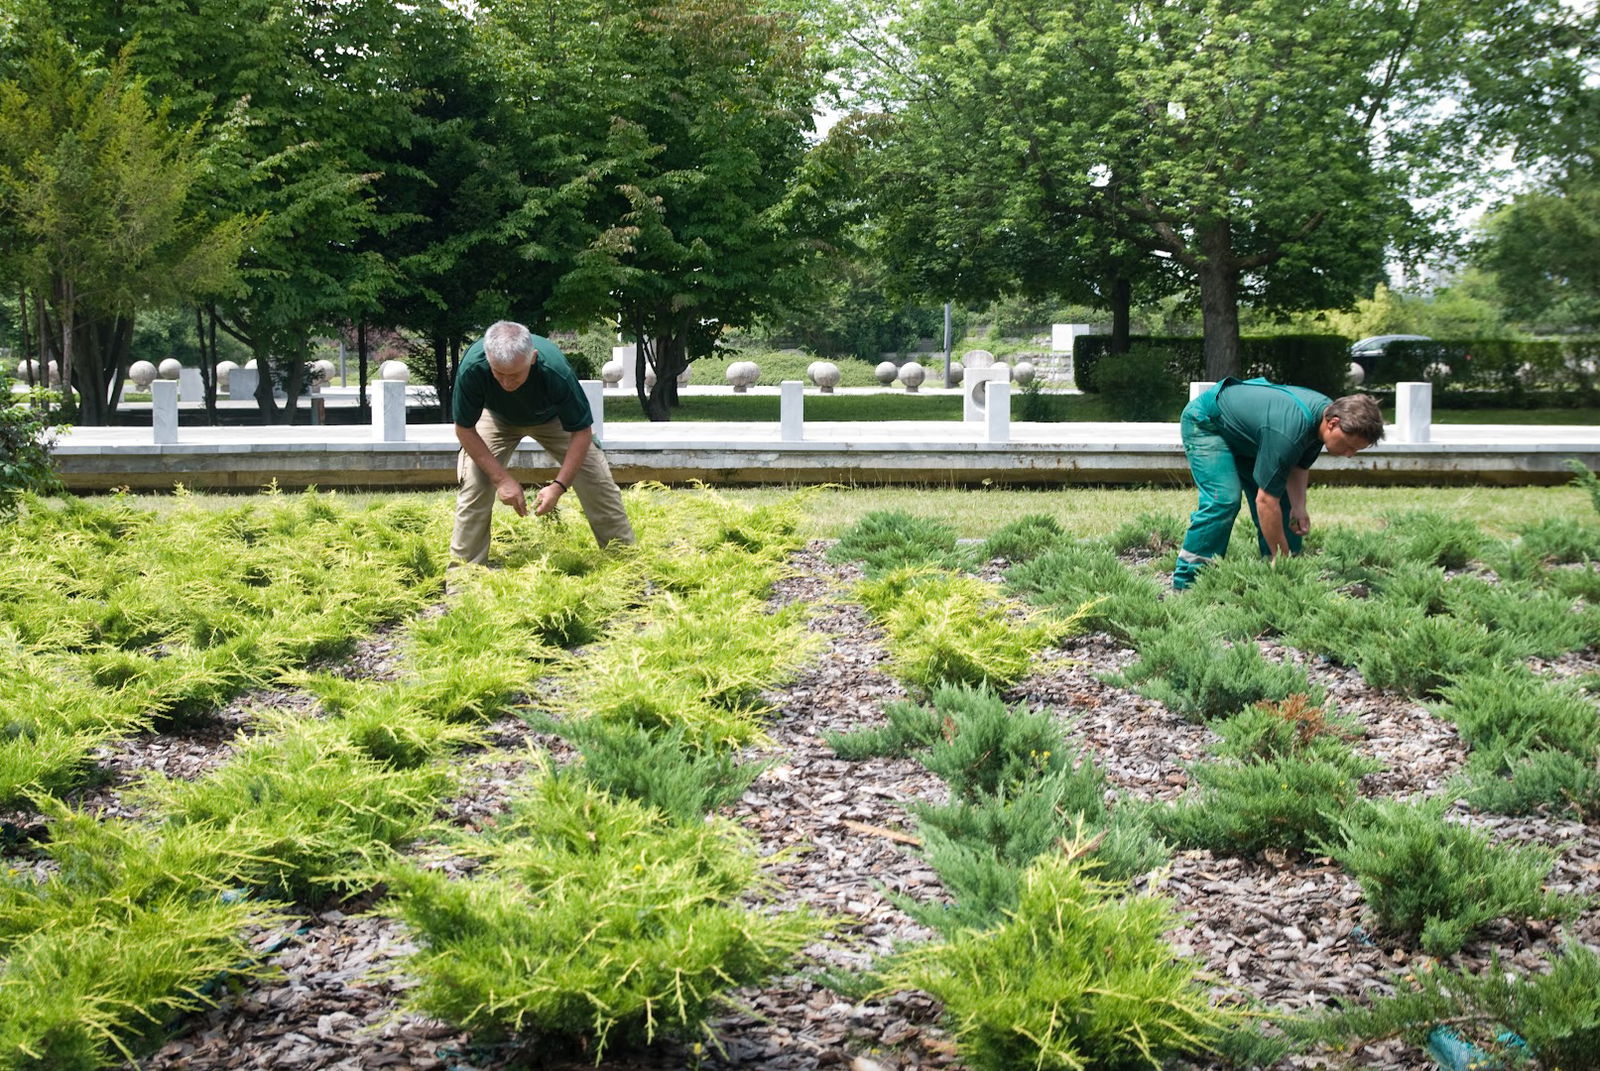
x=1274 y=425
x=551 y=391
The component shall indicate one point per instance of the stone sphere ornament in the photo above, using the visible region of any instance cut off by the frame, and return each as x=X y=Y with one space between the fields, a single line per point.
x=1023 y=372
x=394 y=372
x=143 y=373
x=886 y=372
x=321 y=372
x=825 y=374
x=743 y=375
x=911 y=376
x=958 y=372
x=1357 y=375
x=171 y=368
x=224 y=370
x=611 y=373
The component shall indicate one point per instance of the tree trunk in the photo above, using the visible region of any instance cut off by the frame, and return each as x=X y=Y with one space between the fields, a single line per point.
x=1219 y=300
x=442 y=379
x=208 y=363
x=1120 y=296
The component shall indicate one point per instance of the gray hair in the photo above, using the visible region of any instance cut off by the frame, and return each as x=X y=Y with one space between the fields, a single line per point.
x=508 y=344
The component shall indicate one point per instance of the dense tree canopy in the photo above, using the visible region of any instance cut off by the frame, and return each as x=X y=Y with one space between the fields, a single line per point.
x=1265 y=148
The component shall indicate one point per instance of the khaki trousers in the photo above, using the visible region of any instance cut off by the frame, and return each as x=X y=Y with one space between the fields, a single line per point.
x=596 y=490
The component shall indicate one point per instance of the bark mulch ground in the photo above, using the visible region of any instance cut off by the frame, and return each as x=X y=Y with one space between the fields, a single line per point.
x=1287 y=931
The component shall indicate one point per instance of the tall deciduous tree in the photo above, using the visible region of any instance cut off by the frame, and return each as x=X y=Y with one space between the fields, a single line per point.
x=96 y=187
x=1257 y=144
x=683 y=123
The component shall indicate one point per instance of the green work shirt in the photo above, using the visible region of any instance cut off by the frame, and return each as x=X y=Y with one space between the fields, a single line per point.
x=551 y=391
x=1274 y=425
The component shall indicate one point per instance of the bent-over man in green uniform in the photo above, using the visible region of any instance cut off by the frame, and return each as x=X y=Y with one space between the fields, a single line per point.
x=1259 y=440
x=513 y=384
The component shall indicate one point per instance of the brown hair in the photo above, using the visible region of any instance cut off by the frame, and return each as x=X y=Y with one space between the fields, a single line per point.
x=1358 y=415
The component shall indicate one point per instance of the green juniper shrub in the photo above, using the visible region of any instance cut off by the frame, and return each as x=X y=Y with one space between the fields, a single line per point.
x=1086 y=580
x=981 y=847
x=1245 y=807
x=891 y=539
x=1535 y=780
x=1149 y=533
x=1413 y=584
x=1203 y=678
x=1581 y=583
x=910 y=727
x=1554 y=1015
x=985 y=747
x=1283 y=775
x=595 y=922
x=1561 y=539
x=1397 y=646
x=1526 y=621
x=1585 y=479
x=1243 y=597
x=1514 y=560
x=663 y=770
x=1505 y=712
x=1024 y=539
x=1039 y=990
x=1440 y=881
x=1352 y=555
x=1434 y=538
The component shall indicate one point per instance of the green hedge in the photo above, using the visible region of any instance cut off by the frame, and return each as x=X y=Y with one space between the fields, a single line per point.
x=1519 y=369
x=1320 y=362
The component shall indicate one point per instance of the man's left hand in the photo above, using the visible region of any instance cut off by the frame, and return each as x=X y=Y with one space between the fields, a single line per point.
x=1299 y=521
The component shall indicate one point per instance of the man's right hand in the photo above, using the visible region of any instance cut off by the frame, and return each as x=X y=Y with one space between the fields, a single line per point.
x=510 y=492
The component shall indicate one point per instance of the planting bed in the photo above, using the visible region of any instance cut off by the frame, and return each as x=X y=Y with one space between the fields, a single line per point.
x=327 y=977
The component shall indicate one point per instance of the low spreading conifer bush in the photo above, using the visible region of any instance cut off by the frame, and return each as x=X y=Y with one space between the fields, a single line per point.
x=1085 y=580
x=1433 y=538
x=1149 y=533
x=1024 y=539
x=663 y=770
x=1562 y=539
x=1504 y=713
x=1549 y=1019
x=594 y=922
x=1201 y=677
x=908 y=727
x=1041 y=991
x=1243 y=597
x=885 y=540
x=1439 y=881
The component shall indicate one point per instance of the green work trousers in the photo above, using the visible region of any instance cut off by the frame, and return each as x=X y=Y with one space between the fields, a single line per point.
x=594 y=486
x=1222 y=479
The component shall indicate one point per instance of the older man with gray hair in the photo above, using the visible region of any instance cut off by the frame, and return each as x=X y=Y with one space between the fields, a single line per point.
x=512 y=385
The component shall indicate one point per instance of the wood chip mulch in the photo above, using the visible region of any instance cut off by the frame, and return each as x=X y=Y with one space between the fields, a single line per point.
x=1284 y=930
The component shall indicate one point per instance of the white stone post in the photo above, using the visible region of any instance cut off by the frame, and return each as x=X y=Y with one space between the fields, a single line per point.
x=190 y=387
x=997 y=410
x=626 y=356
x=1198 y=387
x=595 y=391
x=1413 y=412
x=389 y=411
x=791 y=410
x=164 y=411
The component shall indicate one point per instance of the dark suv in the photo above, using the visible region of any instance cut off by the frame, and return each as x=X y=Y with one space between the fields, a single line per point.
x=1369 y=352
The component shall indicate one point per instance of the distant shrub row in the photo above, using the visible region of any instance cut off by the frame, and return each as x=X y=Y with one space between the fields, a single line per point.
x=1320 y=362
x=1466 y=373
